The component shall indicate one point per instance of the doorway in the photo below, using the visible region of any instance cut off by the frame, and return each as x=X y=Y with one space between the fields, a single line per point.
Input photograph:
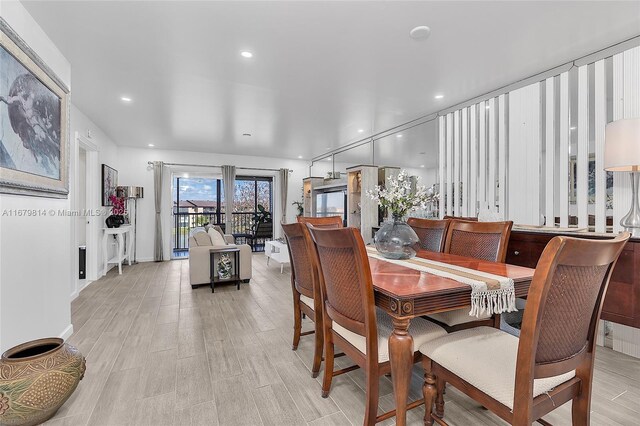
x=196 y=202
x=81 y=222
x=87 y=220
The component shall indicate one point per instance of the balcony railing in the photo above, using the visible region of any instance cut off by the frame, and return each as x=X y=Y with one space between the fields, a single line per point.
x=185 y=222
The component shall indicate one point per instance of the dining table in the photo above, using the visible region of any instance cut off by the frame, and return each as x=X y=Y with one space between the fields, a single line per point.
x=405 y=293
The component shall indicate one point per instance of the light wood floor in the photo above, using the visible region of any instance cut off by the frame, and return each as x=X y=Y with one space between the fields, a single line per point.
x=160 y=353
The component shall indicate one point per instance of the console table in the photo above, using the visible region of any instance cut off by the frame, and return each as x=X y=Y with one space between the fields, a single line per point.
x=622 y=302
x=123 y=239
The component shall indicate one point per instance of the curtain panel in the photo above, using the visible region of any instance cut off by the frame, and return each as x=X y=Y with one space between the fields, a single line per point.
x=228 y=181
x=284 y=187
x=158 y=168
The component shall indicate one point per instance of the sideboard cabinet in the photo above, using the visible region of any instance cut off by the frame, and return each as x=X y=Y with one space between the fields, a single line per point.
x=622 y=302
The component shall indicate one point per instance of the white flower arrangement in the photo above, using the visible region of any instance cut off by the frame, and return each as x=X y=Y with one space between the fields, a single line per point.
x=398 y=197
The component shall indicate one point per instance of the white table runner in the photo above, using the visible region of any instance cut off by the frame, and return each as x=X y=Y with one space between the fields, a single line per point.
x=490 y=294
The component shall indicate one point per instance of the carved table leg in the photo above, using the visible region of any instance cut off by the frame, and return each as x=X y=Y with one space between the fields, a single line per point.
x=401 y=359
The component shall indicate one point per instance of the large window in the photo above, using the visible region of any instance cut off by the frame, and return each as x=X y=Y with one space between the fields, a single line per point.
x=198 y=201
x=252 y=194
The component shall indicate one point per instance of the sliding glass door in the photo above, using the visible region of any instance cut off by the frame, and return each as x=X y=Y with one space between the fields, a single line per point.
x=253 y=195
x=198 y=201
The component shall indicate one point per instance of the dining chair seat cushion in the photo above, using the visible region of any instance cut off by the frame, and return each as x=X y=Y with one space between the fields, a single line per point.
x=457 y=317
x=420 y=329
x=306 y=300
x=486 y=358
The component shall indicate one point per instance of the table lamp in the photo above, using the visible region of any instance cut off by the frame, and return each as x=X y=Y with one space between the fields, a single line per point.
x=622 y=154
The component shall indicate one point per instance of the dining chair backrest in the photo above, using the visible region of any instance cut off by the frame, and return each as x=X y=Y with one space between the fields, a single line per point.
x=432 y=233
x=303 y=270
x=566 y=295
x=322 y=222
x=564 y=304
x=345 y=280
x=481 y=240
x=468 y=218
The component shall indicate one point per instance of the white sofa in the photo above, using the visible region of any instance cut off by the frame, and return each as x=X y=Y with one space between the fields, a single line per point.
x=200 y=244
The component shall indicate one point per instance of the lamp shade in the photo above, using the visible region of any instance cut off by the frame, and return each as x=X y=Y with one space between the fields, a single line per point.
x=622 y=146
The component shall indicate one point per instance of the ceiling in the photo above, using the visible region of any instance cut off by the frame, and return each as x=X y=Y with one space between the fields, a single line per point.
x=321 y=71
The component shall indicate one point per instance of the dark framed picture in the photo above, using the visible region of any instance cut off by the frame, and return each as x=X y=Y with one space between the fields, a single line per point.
x=109 y=184
x=34 y=106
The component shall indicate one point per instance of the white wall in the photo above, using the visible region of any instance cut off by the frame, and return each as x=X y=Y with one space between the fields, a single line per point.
x=106 y=146
x=34 y=251
x=427 y=176
x=134 y=170
x=107 y=154
x=81 y=187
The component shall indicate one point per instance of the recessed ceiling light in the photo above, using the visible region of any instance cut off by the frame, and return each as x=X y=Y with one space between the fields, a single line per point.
x=439 y=96
x=488 y=106
x=151 y=145
x=246 y=54
x=360 y=130
x=246 y=134
x=420 y=33
x=300 y=156
x=328 y=148
x=328 y=158
x=421 y=165
x=125 y=99
x=572 y=128
x=398 y=136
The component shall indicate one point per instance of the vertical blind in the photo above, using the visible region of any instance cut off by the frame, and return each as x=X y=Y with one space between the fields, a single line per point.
x=536 y=153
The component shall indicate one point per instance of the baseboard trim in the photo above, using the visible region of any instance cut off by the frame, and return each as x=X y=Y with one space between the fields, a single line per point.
x=86 y=284
x=67 y=332
x=626 y=339
x=76 y=293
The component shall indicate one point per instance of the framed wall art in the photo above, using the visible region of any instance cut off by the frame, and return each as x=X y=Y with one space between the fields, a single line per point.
x=109 y=184
x=573 y=184
x=34 y=126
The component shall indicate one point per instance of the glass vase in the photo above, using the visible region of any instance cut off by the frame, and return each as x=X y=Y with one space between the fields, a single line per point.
x=396 y=240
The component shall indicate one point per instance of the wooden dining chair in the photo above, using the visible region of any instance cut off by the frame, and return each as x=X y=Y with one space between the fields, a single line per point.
x=322 y=222
x=468 y=218
x=432 y=233
x=304 y=285
x=351 y=320
x=521 y=380
x=481 y=240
